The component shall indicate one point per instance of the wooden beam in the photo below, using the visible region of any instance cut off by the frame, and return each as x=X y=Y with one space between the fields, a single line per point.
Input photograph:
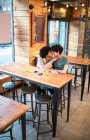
x=68 y=19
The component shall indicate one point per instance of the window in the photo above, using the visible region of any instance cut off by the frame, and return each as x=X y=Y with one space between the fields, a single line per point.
x=53 y=32
x=58 y=33
x=6 y=48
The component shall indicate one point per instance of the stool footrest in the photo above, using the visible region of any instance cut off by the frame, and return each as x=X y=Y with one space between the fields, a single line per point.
x=46 y=132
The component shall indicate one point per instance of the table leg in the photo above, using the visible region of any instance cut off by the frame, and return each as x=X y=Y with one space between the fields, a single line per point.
x=55 y=110
x=23 y=122
x=69 y=98
x=83 y=81
x=89 y=79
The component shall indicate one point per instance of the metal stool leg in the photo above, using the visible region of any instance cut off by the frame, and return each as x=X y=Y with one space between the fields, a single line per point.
x=48 y=113
x=63 y=94
x=3 y=92
x=16 y=94
x=32 y=105
x=75 y=79
x=21 y=96
x=24 y=98
x=13 y=94
x=61 y=103
x=11 y=134
x=36 y=111
x=39 y=114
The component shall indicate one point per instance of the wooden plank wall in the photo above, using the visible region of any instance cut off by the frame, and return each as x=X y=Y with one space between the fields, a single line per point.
x=24 y=52
x=21 y=30
x=73 y=38
x=76 y=35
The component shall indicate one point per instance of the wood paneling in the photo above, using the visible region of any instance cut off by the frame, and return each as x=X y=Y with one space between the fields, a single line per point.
x=20 y=2
x=24 y=53
x=73 y=38
x=24 y=32
x=21 y=30
x=20 y=13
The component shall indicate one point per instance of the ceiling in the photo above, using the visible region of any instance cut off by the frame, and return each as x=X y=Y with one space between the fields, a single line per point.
x=67 y=0
x=70 y=2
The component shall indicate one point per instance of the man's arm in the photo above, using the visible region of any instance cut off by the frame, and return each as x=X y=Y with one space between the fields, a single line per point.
x=45 y=66
x=64 y=71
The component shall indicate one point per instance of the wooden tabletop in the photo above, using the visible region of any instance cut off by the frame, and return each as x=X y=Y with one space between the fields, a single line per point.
x=78 y=60
x=28 y=73
x=10 y=111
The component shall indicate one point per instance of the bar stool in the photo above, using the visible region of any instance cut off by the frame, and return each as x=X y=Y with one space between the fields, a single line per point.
x=62 y=100
x=28 y=90
x=42 y=100
x=10 y=86
x=76 y=69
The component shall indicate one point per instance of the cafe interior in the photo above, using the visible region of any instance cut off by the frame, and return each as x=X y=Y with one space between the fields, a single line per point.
x=37 y=104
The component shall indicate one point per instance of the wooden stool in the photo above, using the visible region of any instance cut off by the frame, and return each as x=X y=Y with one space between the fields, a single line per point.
x=28 y=90
x=42 y=100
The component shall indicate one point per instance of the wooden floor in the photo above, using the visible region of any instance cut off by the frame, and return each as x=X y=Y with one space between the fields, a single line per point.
x=78 y=127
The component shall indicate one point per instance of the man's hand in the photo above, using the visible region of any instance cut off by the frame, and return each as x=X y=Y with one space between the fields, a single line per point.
x=53 y=71
x=54 y=59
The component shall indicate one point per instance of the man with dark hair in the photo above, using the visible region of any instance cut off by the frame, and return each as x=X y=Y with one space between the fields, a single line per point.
x=57 y=48
x=44 y=61
x=61 y=64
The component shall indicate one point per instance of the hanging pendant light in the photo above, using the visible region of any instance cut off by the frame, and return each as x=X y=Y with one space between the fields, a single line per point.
x=67 y=5
x=83 y=4
x=76 y=8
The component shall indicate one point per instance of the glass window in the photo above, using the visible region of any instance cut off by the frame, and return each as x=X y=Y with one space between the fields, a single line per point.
x=6 y=6
x=0 y=8
x=53 y=32
x=6 y=50
x=58 y=33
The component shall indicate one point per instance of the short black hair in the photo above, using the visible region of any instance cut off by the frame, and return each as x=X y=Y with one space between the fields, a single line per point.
x=56 y=48
x=44 y=51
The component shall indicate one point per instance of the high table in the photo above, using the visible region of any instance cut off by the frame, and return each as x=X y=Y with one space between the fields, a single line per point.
x=10 y=111
x=85 y=63
x=35 y=75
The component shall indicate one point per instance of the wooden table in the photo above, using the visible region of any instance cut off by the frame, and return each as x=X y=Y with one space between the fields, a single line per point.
x=85 y=63
x=10 y=111
x=34 y=75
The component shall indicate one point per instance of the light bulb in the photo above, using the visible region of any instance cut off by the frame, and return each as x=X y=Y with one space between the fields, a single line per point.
x=83 y=4
x=45 y=3
x=76 y=8
x=49 y=9
x=67 y=5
